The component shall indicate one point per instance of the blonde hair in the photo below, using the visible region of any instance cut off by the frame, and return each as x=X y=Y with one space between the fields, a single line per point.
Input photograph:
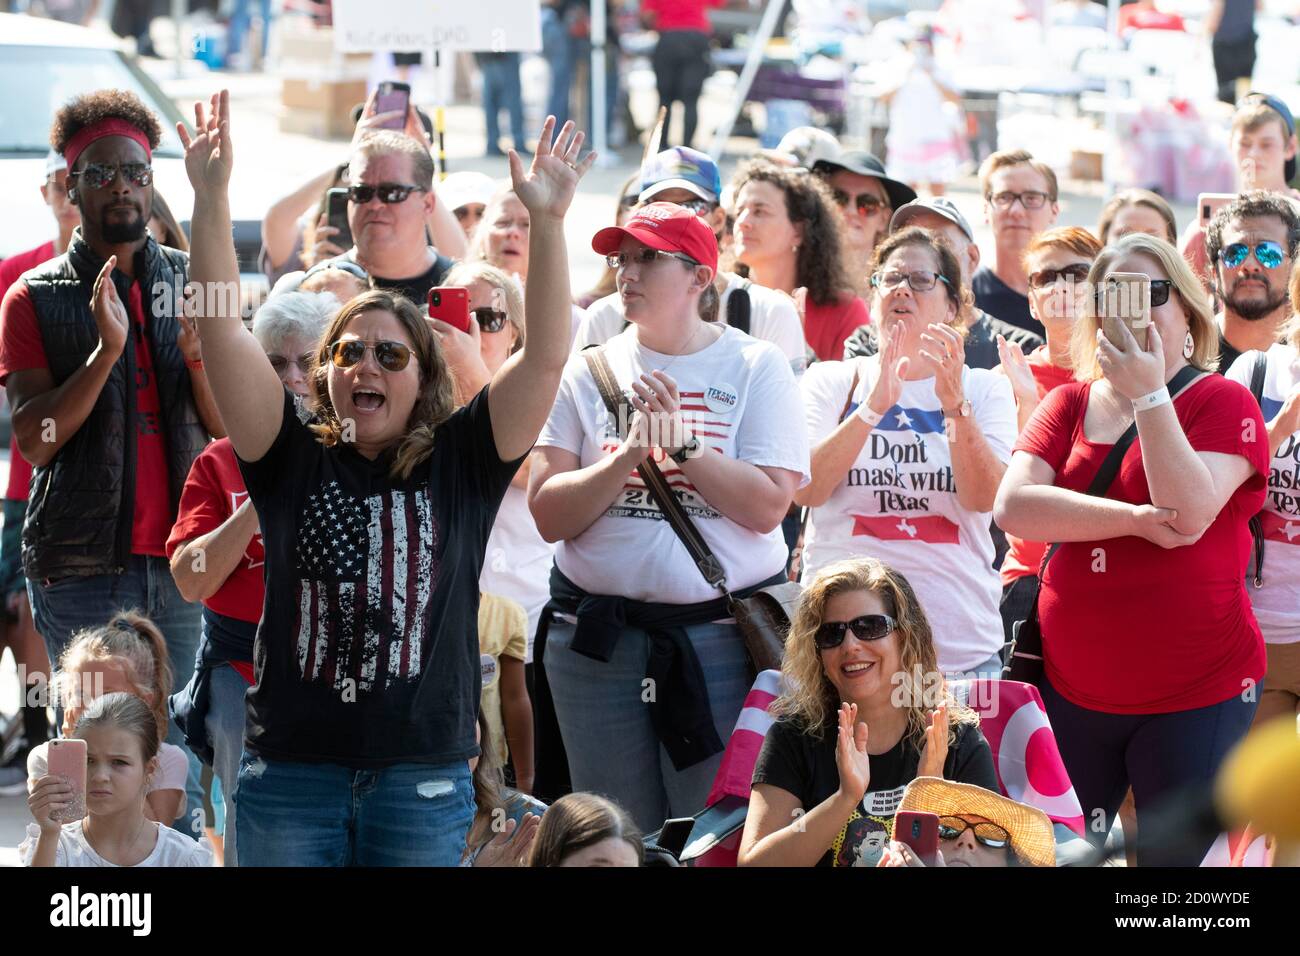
x=1200 y=317
x=463 y=273
x=434 y=403
x=135 y=640
x=809 y=696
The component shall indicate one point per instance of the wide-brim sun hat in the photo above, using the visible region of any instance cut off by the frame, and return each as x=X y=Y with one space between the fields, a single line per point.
x=1032 y=839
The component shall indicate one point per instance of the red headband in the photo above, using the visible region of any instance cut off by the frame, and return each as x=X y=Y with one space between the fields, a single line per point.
x=112 y=126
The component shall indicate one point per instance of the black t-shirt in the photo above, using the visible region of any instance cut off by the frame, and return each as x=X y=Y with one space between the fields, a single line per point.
x=367 y=654
x=1227 y=355
x=417 y=288
x=997 y=298
x=804 y=765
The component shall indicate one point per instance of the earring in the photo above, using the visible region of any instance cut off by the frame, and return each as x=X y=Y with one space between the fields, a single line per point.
x=1189 y=346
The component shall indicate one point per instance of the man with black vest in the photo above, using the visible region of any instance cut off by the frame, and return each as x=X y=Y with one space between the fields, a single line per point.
x=110 y=402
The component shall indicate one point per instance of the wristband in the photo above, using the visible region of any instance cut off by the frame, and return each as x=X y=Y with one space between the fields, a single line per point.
x=1159 y=397
x=872 y=418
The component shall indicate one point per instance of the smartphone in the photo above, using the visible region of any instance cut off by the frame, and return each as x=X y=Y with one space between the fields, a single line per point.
x=392 y=97
x=450 y=304
x=920 y=831
x=337 y=210
x=1207 y=204
x=66 y=757
x=1125 y=297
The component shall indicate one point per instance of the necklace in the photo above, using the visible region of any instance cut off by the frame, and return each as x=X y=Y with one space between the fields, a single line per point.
x=683 y=350
x=144 y=822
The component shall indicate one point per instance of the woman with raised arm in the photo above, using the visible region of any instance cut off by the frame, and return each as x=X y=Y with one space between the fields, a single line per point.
x=375 y=517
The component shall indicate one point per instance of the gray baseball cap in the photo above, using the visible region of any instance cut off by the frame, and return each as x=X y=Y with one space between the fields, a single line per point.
x=939 y=205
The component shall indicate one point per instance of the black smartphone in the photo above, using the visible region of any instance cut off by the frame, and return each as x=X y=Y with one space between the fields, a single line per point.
x=338 y=217
x=393 y=97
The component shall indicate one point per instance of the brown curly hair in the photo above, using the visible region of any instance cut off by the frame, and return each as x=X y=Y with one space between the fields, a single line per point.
x=436 y=399
x=819 y=266
x=90 y=108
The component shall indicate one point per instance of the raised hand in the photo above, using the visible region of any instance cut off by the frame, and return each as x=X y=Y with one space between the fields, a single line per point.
x=851 y=758
x=893 y=366
x=943 y=349
x=187 y=339
x=510 y=847
x=1015 y=366
x=934 y=753
x=50 y=795
x=110 y=315
x=208 y=155
x=547 y=187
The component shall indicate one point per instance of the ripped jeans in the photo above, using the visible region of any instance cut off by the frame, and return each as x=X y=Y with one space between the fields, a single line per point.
x=316 y=814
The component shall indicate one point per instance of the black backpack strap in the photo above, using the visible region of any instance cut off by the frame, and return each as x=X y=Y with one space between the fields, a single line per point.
x=738 y=307
x=1258 y=369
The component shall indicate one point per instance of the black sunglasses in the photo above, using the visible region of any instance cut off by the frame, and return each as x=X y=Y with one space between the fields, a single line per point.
x=391 y=356
x=388 y=193
x=99 y=175
x=1160 y=289
x=989 y=834
x=865 y=203
x=489 y=320
x=869 y=627
x=1076 y=272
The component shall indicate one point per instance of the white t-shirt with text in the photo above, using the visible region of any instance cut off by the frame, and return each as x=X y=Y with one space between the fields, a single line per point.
x=738 y=397
x=898 y=502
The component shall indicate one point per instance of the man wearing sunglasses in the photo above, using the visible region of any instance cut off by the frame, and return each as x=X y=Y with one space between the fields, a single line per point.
x=390 y=199
x=866 y=198
x=111 y=403
x=686 y=177
x=1251 y=244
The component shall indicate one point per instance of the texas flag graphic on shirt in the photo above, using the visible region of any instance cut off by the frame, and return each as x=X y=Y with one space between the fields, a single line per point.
x=933 y=528
x=1280 y=527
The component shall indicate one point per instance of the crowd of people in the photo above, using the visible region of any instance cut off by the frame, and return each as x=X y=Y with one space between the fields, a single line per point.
x=380 y=588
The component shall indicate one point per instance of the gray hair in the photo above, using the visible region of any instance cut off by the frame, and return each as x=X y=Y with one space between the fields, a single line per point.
x=301 y=315
x=463 y=273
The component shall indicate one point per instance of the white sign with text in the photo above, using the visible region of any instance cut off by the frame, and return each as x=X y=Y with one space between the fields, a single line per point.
x=364 y=26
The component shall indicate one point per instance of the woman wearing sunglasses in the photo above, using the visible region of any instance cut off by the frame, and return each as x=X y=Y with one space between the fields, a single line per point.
x=864 y=712
x=375 y=517
x=908 y=449
x=1057 y=263
x=1147 y=632
x=977 y=827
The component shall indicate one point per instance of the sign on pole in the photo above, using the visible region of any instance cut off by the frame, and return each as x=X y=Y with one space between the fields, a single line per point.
x=367 y=26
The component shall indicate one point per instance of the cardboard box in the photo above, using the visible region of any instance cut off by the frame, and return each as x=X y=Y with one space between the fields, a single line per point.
x=320 y=108
x=310 y=54
x=1085 y=165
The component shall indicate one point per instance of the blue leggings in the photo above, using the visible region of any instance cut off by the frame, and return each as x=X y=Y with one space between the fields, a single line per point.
x=1168 y=759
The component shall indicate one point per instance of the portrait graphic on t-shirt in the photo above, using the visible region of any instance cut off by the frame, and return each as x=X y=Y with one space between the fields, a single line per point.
x=352 y=588
x=868 y=830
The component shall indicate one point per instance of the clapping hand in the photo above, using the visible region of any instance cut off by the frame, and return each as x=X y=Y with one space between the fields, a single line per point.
x=851 y=759
x=935 y=751
x=888 y=386
x=548 y=185
x=110 y=315
x=208 y=154
x=944 y=350
x=510 y=847
x=1015 y=366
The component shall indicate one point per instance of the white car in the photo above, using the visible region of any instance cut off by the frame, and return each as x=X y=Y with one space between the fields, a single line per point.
x=45 y=63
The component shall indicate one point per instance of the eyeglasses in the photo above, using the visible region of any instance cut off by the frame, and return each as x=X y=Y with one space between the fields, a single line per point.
x=989 y=834
x=388 y=193
x=1077 y=272
x=869 y=627
x=866 y=204
x=282 y=362
x=391 y=356
x=617 y=260
x=464 y=212
x=918 y=280
x=99 y=175
x=1030 y=200
x=489 y=320
x=1268 y=254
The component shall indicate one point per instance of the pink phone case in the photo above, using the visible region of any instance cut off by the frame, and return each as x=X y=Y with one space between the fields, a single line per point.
x=66 y=757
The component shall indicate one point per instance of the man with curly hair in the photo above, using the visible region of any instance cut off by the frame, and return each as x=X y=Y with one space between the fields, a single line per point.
x=111 y=404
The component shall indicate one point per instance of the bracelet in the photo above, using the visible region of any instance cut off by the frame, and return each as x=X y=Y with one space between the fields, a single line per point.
x=1159 y=397
x=872 y=418
x=194 y=364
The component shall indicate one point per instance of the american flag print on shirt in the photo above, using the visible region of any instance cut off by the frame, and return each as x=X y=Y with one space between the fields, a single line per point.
x=367 y=568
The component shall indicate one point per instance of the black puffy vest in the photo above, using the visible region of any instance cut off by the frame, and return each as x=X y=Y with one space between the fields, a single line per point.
x=81 y=505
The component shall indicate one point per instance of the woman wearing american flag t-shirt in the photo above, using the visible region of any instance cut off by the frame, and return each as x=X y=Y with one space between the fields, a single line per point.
x=375 y=516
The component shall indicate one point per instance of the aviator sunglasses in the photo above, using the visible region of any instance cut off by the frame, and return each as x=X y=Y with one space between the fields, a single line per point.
x=1268 y=254
x=391 y=356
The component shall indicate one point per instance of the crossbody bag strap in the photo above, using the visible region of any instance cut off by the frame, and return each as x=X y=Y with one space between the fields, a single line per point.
x=655 y=483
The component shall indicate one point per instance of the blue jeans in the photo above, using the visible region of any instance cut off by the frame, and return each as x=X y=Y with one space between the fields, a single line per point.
x=501 y=91
x=1166 y=758
x=317 y=814
x=557 y=48
x=225 y=723
x=70 y=604
x=611 y=744
x=240 y=22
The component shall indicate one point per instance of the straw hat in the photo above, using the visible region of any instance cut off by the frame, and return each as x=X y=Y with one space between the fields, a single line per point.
x=1031 y=831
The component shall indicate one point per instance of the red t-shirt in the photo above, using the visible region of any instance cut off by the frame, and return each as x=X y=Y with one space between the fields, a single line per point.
x=1130 y=627
x=1136 y=18
x=16 y=265
x=680 y=14
x=1024 y=558
x=22 y=348
x=213 y=490
x=827 y=327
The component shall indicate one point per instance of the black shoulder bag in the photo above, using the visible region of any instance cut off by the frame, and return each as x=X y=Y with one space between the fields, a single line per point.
x=1025 y=657
x=764 y=616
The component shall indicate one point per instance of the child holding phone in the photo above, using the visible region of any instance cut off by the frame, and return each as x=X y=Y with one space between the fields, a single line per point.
x=128 y=655
x=122 y=746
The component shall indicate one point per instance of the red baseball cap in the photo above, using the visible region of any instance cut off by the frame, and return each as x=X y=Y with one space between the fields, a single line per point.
x=667 y=227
